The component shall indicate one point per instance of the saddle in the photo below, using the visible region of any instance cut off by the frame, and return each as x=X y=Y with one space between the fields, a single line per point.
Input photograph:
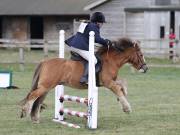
x=84 y=79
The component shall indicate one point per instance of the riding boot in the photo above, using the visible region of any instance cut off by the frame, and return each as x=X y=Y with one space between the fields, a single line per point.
x=84 y=78
x=97 y=67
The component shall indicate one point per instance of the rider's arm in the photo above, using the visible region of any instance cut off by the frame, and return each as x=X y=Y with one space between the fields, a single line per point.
x=98 y=38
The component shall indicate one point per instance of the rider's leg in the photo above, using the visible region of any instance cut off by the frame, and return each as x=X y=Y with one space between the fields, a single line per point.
x=84 y=78
x=85 y=55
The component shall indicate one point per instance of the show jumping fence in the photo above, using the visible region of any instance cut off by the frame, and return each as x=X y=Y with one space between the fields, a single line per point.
x=91 y=101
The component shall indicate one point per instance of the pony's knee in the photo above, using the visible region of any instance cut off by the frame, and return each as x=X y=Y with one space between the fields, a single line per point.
x=115 y=88
x=123 y=85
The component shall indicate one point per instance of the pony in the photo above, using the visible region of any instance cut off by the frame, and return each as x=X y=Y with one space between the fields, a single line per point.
x=59 y=71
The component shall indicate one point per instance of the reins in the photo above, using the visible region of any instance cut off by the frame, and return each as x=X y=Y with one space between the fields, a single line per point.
x=107 y=54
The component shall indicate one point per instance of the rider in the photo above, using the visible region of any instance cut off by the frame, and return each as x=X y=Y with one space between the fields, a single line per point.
x=79 y=43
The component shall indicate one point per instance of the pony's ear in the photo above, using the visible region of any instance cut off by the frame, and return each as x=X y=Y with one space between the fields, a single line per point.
x=136 y=44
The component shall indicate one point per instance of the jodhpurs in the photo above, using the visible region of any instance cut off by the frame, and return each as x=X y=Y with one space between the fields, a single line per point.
x=83 y=53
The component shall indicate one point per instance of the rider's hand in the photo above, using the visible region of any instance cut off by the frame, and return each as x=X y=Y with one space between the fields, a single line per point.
x=109 y=43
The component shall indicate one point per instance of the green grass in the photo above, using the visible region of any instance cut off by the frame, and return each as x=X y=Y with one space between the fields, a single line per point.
x=154 y=98
x=161 y=61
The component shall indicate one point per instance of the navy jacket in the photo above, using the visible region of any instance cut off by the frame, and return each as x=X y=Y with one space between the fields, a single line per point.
x=81 y=40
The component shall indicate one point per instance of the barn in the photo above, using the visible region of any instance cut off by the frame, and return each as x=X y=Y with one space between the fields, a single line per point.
x=39 y=19
x=139 y=19
x=42 y=19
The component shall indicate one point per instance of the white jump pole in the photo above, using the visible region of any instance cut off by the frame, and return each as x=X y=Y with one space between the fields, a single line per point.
x=92 y=89
x=59 y=90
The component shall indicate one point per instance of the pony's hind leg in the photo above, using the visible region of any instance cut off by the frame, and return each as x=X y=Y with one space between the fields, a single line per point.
x=27 y=108
x=37 y=107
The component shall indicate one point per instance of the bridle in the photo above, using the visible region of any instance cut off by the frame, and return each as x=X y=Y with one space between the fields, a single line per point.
x=140 y=61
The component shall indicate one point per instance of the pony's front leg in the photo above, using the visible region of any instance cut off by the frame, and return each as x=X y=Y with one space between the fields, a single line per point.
x=117 y=88
x=37 y=108
x=123 y=83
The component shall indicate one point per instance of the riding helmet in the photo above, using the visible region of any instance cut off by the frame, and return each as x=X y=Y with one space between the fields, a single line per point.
x=98 y=17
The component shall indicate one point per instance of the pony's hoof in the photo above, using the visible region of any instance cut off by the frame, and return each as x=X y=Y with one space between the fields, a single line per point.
x=127 y=109
x=35 y=121
x=23 y=114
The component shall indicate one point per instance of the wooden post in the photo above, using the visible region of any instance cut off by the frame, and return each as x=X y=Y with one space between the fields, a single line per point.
x=21 y=58
x=45 y=49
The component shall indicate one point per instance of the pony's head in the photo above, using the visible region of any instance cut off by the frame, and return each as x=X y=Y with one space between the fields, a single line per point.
x=133 y=53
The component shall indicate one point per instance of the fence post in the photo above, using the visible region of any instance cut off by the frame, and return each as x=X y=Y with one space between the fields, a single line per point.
x=59 y=90
x=176 y=52
x=21 y=58
x=45 y=49
x=92 y=89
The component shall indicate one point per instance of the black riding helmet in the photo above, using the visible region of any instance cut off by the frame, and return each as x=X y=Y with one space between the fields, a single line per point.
x=98 y=17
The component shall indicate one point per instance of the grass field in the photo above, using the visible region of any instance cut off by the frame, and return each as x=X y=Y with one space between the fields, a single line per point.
x=154 y=98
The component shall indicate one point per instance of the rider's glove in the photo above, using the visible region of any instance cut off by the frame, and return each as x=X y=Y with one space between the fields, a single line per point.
x=109 y=43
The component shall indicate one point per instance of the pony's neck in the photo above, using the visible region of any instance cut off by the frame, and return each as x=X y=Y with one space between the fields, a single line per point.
x=116 y=60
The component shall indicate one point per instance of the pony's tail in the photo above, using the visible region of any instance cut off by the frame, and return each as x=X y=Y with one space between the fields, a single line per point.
x=34 y=83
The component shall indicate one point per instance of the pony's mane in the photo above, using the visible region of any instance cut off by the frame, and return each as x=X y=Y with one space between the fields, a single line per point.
x=120 y=45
